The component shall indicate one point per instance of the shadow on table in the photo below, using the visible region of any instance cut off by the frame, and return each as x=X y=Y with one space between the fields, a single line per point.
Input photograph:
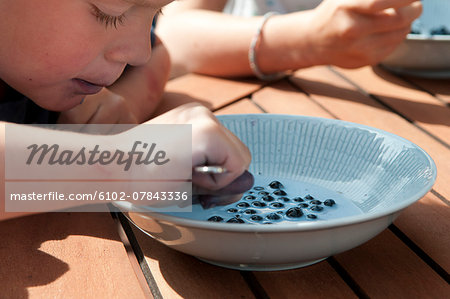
x=420 y=112
x=24 y=265
x=187 y=276
x=409 y=81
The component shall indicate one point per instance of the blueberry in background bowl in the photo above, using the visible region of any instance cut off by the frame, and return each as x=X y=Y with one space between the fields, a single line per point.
x=344 y=184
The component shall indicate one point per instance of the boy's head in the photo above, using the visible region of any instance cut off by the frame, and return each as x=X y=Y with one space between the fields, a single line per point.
x=58 y=51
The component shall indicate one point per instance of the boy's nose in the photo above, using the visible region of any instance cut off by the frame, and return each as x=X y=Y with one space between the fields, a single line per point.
x=132 y=48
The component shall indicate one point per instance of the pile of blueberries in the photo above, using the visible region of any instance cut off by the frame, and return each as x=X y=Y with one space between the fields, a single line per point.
x=441 y=30
x=267 y=206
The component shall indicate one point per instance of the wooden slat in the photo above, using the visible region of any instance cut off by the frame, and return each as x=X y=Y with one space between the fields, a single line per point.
x=386 y=268
x=340 y=97
x=65 y=255
x=282 y=98
x=182 y=276
x=243 y=106
x=438 y=87
x=316 y=281
x=427 y=223
x=209 y=91
x=419 y=106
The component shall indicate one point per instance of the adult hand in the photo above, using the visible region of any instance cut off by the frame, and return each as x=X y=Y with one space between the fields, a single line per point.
x=354 y=33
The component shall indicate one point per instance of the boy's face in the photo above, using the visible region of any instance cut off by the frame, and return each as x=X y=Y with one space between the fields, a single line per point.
x=58 y=51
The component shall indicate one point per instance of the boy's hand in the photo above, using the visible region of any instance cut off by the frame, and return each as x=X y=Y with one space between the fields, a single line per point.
x=354 y=33
x=212 y=144
x=104 y=107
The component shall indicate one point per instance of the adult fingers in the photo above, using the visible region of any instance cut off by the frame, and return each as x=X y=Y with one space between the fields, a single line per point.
x=373 y=6
x=384 y=43
x=392 y=38
x=394 y=19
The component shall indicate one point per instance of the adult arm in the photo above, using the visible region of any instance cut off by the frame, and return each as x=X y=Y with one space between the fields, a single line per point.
x=347 y=33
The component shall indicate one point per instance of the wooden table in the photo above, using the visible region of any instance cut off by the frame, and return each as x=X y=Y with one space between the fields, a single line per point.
x=93 y=255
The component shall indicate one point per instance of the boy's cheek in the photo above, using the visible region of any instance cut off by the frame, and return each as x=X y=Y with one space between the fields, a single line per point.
x=66 y=50
x=61 y=62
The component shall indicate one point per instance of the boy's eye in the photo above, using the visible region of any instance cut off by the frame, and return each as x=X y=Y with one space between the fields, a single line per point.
x=106 y=19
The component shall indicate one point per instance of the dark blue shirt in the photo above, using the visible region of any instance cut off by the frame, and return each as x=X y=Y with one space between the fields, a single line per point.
x=16 y=108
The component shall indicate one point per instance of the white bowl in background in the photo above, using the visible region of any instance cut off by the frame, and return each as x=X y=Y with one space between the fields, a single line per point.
x=423 y=54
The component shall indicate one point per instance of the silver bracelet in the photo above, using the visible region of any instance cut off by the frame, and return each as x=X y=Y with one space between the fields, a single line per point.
x=252 y=53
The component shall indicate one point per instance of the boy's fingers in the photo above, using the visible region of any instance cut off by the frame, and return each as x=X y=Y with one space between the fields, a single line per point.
x=210 y=201
x=227 y=195
x=373 y=6
x=239 y=185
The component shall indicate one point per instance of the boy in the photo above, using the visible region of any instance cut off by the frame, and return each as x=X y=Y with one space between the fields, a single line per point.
x=59 y=53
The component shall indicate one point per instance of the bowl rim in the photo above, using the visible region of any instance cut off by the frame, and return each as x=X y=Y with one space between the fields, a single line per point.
x=304 y=225
x=428 y=37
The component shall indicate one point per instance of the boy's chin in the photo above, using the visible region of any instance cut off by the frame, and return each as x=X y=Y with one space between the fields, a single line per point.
x=74 y=103
x=60 y=105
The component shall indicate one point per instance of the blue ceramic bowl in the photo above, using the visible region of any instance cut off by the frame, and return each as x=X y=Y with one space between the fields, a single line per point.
x=371 y=175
